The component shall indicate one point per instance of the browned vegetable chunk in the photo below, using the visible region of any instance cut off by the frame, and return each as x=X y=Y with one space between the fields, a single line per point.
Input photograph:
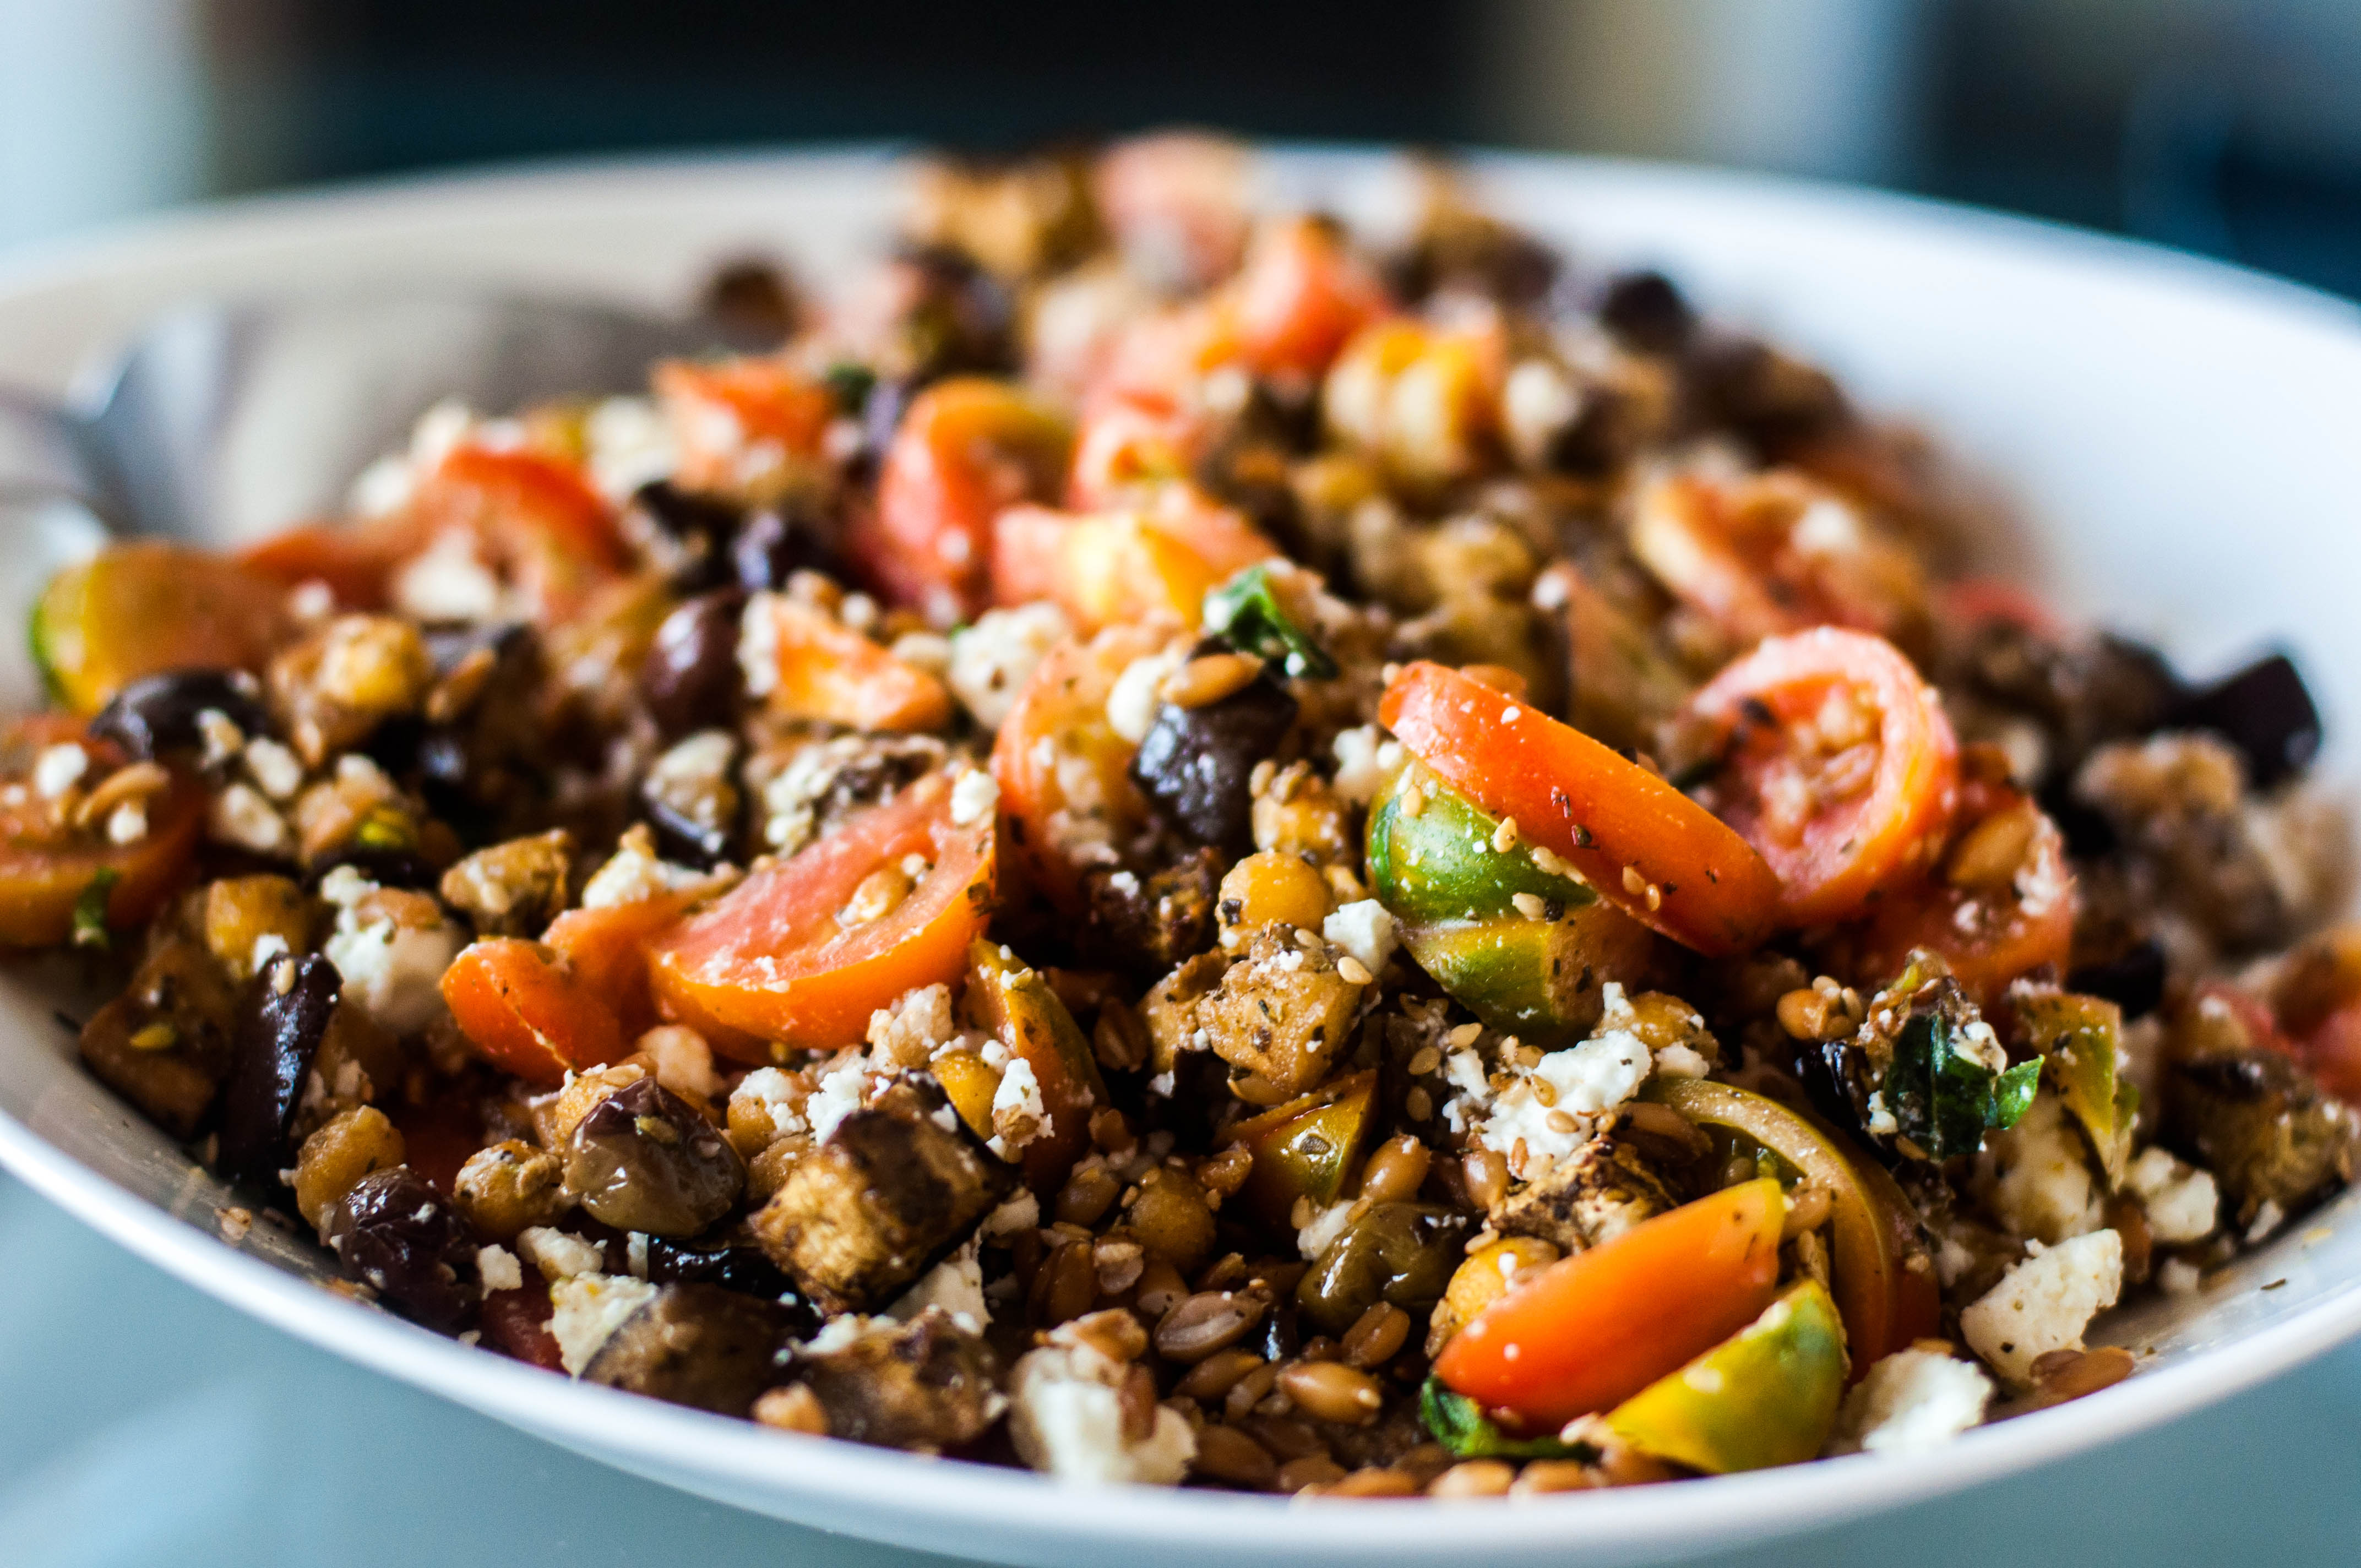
x=514 y=888
x=694 y=1345
x=2262 y=1125
x=868 y=1210
x=1281 y=1014
x=1594 y=1195
x=926 y=1384
x=164 y=1043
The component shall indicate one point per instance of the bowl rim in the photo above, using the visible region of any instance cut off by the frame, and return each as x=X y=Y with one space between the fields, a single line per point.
x=912 y=1500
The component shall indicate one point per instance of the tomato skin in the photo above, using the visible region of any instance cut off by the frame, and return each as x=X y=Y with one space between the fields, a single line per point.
x=1598 y=812
x=357 y=560
x=1905 y=766
x=1300 y=294
x=1127 y=443
x=43 y=875
x=1592 y=1330
x=1109 y=569
x=144 y=607
x=827 y=671
x=768 y=960
x=523 y=1011
x=533 y=516
x=1062 y=713
x=517 y=1322
x=606 y=949
x=1988 y=934
x=968 y=448
x=757 y=401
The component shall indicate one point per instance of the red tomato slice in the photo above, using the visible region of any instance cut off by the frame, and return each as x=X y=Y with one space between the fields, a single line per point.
x=523 y=1011
x=1999 y=905
x=1299 y=295
x=968 y=448
x=773 y=960
x=357 y=560
x=722 y=411
x=1062 y=769
x=46 y=868
x=827 y=671
x=533 y=515
x=1646 y=847
x=1106 y=568
x=1590 y=1331
x=1838 y=764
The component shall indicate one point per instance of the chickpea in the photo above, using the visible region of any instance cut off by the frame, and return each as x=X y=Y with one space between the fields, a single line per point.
x=333 y=1159
x=508 y=1188
x=1271 y=888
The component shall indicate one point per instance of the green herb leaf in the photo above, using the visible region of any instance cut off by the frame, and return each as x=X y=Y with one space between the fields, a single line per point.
x=1459 y=1424
x=90 y=910
x=1945 y=1098
x=1245 y=613
x=851 y=383
x=2013 y=1095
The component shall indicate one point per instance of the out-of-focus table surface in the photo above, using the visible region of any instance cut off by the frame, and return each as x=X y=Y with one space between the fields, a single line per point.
x=141 y=1424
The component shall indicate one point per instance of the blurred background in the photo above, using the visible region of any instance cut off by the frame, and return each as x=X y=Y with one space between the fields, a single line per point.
x=2224 y=127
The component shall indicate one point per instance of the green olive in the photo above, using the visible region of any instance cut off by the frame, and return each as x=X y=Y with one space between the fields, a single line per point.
x=1398 y=1253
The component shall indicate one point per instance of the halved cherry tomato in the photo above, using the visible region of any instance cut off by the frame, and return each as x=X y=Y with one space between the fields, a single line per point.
x=1590 y=1331
x=968 y=448
x=1008 y=1000
x=1776 y=554
x=357 y=560
x=606 y=949
x=144 y=607
x=533 y=516
x=523 y=1011
x=1885 y=1302
x=724 y=411
x=1105 y=569
x=1642 y=843
x=1162 y=356
x=2333 y=1051
x=1300 y=294
x=824 y=670
x=774 y=960
x=46 y=867
x=1308 y=1148
x=1836 y=762
x=1062 y=769
x=1999 y=905
x=516 y=1322
x=1128 y=443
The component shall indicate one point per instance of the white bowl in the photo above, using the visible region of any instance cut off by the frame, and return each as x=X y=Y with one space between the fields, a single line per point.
x=2183 y=440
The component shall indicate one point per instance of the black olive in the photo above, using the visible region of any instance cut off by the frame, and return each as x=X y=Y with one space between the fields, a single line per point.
x=958 y=318
x=2085 y=827
x=1281 y=1338
x=285 y=1016
x=2132 y=979
x=644 y=1160
x=1645 y=312
x=2266 y=712
x=774 y=545
x=156 y=714
x=691 y=679
x=1401 y=1253
x=753 y=304
x=408 y=1241
x=1196 y=762
x=1759 y=394
x=702 y=525
x=746 y=1269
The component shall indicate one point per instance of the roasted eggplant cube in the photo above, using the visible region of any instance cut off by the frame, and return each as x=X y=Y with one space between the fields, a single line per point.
x=1196 y=763
x=698 y=1346
x=1595 y=1194
x=928 y=1385
x=870 y=1209
x=165 y=1044
x=2268 y=1132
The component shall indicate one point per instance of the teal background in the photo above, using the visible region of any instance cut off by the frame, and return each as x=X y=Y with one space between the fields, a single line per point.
x=144 y=1424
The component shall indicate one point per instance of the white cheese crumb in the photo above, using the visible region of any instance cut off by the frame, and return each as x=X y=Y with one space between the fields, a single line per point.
x=683 y=1062
x=975 y=798
x=956 y=1284
x=2267 y=1219
x=838 y=1096
x=772 y=1091
x=1680 y=1061
x=1325 y=1227
x=498 y=1269
x=991 y=661
x=1066 y=1419
x=630 y=444
x=1587 y=1079
x=1018 y=1098
x=1364 y=929
x=1131 y=705
x=758 y=643
x=2037 y=1176
x=918 y=1024
x=239 y=815
x=558 y=1255
x=2183 y=1202
x=634 y=872
x=1911 y=1401
x=223 y=739
x=446 y=582
x=128 y=823
x=58 y=769
x=2176 y=1277
x=2045 y=1303
x=393 y=972
x=589 y=1307
x=275 y=768
x=1022 y=1213
x=1364 y=758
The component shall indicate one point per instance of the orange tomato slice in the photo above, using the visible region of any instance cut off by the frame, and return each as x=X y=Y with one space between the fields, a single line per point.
x=774 y=960
x=45 y=869
x=1836 y=764
x=1646 y=847
x=1063 y=770
x=606 y=949
x=524 y=1012
x=968 y=448
x=827 y=671
x=1590 y=1331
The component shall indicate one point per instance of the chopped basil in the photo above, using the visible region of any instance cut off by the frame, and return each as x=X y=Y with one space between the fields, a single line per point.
x=1459 y=1424
x=1245 y=613
x=90 y=909
x=1942 y=1092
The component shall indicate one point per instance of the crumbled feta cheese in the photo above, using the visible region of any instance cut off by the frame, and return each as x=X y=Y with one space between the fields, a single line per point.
x=128 y=823
x=447 y=582
x=1325 y=1227
x=975 y=798
x=840 y=1094
x=683 y=1062
x=2037 y=1176
x=1910 y=1401
x=385 y=486
x=773 y=1091
x=630 y=444
x=1131 y=705
x=1017 y=1101
x=2183 y=1202
x=223 y=739
x=956 y=1284
x=558 y=1255
x=58 y=769
x=1364 y=758
x=1586 y=1080
x=2176 y=1277
x=498 y=1267
x=275 y=768
x=2045 y=1303
x=1680 y=1061
x=2267 y=1219
x=842 y=1333
x=1364 y=930
x=758 y=643
x=1162 y=1085
x=1537 y=402
x=634 y=872
x=1022 y=1213
x=588 y=1308
x=918 y=1024
x=1828 y=527
x=1066 y=1419
x=991 y=661
x=928 y=651
x=393 y=972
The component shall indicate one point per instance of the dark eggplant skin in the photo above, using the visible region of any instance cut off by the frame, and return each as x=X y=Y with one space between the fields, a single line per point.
x=156 y=714
x=409 y=1242
x=1196 y=763
x=2132 y=979
x=2266 y=712
x=284 y=1019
